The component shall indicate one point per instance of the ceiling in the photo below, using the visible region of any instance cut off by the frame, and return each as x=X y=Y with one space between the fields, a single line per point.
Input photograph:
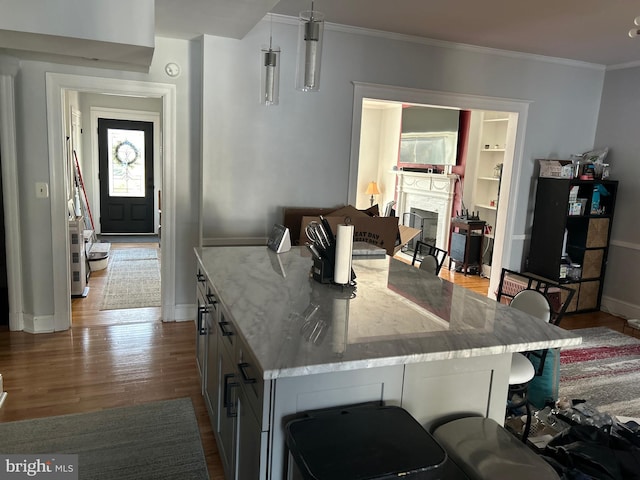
x=593 y=31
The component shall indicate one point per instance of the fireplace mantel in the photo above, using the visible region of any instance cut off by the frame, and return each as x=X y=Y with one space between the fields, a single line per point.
x=433 y=192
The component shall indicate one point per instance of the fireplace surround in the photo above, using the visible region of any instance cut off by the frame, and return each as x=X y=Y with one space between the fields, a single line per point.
x=432 y=192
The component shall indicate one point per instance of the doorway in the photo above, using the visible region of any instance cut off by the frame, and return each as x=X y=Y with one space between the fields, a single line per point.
x=505 y=222
x=58 y=85
x=126 y=176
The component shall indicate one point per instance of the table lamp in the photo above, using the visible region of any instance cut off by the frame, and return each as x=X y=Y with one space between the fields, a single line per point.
x=372 y=189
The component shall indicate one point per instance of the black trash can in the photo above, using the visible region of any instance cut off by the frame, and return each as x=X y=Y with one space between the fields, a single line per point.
x=365 y=441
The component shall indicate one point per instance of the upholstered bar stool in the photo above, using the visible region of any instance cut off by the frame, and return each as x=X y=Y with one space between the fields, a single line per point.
x=366 y=441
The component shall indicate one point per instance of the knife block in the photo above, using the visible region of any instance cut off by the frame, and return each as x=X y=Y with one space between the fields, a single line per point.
x=322 y=270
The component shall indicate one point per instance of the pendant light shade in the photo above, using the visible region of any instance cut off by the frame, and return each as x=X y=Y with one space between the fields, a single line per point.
x=270 y=75
x=270 y=71
x=310 y=36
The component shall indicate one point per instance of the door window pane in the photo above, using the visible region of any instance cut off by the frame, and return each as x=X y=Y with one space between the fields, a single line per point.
x=126 y=163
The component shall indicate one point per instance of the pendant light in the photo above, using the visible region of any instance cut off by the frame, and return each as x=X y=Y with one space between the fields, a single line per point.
x=310 y=36
x=270 y=72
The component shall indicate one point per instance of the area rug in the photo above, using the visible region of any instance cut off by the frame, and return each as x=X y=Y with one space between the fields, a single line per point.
x=124 y=254
x=133 y=279
x=604 y=370
x=154 y=441
x=129 y=238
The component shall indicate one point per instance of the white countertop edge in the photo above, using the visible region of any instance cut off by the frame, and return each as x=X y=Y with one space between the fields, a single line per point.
x=337 y=366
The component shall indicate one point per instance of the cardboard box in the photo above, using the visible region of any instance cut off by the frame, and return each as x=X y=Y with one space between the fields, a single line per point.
x=383 y=232
x=292 y=219
x=556 y=168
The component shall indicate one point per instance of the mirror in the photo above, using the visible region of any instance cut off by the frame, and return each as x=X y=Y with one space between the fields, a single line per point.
x=429 y=136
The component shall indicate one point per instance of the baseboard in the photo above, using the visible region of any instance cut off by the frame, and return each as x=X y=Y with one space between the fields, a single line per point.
x=179 y=313
x=233 y=241
x=39 y=324
x=619 y=308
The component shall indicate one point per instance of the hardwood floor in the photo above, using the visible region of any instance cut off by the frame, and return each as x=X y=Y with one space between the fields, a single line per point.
x=128 y=357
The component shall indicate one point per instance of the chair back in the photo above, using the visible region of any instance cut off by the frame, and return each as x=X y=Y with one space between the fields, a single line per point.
x=430 y=264
x=534 y=303
x=558 y=295
x=430 y=257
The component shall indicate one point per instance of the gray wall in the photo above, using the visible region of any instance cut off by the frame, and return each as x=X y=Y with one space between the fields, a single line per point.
x=33 y=167
x=258 y=159
x=618 y=129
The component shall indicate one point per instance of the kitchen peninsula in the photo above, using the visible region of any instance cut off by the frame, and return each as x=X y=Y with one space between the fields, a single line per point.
x=273 y=342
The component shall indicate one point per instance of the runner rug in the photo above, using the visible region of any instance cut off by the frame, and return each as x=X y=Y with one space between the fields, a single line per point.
x=151 y=441
x=603 y=370
x=133 y=279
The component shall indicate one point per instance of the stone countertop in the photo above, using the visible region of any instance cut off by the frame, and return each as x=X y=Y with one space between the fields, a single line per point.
x=397 y=314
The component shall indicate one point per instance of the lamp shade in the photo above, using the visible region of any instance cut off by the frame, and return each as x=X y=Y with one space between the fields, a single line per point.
x=270 y=75
x=310 y=35
x=372 y=189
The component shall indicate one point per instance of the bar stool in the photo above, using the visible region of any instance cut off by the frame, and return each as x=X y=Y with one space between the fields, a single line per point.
x=366 y=441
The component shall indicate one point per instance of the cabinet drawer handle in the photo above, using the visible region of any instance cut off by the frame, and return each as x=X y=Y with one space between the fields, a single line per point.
x=225 y=332
x=226 y=395
x=245 y=378
x=202 y=311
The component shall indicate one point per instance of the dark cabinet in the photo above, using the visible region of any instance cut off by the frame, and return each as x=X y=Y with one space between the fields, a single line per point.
x=570 y=235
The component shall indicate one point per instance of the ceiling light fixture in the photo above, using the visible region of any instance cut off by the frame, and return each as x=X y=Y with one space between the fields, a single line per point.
x=310 y=35
x=634 y=32
x=270 y=72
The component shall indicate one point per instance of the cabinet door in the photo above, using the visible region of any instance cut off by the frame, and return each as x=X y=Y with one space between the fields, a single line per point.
x=227 y=409
x=250 y=442
x=201 y=338
x=211 y=379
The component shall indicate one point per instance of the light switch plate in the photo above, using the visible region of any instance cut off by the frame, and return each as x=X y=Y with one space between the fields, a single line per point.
x=42 y=190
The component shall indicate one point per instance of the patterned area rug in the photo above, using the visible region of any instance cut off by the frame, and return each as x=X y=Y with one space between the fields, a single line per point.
x=603 y=370
x=133 y=279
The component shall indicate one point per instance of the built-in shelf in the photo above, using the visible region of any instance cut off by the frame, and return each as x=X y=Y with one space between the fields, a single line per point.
x=491 y=179
x=488 y=120
x=488 y=207
x=493 y=150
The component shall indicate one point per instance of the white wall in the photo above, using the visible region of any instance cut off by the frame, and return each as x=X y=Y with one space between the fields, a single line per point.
x=259 y=159
x=618 y=129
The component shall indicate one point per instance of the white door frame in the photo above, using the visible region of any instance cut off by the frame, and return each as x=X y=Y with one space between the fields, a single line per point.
x=57 y=85
x=505 y=222
x=8 y=70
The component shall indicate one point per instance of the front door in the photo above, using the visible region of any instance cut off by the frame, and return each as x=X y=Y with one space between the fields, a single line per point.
x=126 y=176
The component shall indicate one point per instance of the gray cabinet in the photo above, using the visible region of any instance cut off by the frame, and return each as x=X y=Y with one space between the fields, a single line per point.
x=225 y=428
x=211 y=381
x=238 y=419
x=201 y=326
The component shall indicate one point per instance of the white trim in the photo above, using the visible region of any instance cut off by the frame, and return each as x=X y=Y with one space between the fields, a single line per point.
x=622 y=244
x=57 y=85
x=233 y=241
x=619 y=308
x=122 y=114
x=10 y=197
x=456 y=100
